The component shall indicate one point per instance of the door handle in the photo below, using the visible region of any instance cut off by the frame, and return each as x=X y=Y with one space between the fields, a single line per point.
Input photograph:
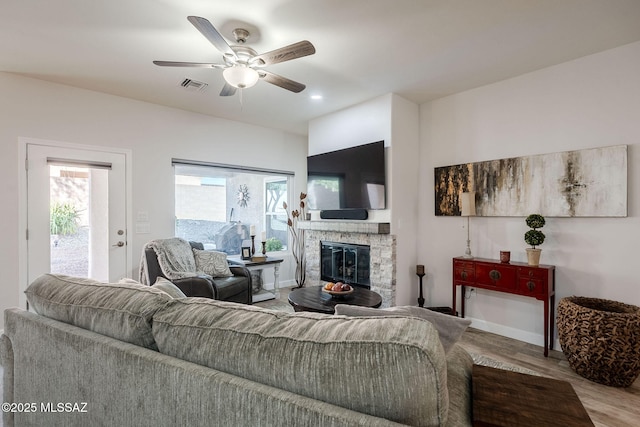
x=119 y=244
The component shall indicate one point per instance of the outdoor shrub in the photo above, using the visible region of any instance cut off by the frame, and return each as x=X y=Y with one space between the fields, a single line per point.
x=64 y=219
x=273 y=244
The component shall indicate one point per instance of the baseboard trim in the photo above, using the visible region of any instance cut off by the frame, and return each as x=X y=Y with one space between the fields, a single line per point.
x=288 y=284
x=516 y=334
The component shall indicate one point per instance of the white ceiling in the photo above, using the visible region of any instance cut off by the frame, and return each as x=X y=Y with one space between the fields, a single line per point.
x=419 y=49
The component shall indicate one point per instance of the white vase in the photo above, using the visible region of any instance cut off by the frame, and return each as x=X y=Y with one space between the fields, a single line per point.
x=533 y=256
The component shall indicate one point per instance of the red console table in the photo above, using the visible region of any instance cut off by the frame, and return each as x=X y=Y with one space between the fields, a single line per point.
x=512 y=278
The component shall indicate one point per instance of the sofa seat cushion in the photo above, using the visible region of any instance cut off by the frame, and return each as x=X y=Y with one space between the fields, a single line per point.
x=227 y=287
x=394 y=368
x=118 y=310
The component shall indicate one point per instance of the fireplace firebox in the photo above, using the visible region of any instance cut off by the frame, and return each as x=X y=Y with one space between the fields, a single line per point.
x=343 y=262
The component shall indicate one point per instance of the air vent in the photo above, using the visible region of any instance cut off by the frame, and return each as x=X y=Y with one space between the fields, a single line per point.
x=193 y=85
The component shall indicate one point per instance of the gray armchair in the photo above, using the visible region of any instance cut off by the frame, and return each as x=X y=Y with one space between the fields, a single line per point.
x=236 y=288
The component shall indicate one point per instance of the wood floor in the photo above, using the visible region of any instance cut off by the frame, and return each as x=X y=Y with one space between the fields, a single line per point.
x=607 y=406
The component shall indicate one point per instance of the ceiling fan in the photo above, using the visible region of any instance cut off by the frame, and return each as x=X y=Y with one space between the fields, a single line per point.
x=243 y=67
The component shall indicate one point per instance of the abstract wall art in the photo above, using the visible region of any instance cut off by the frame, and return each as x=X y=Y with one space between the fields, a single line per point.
x=582 y=183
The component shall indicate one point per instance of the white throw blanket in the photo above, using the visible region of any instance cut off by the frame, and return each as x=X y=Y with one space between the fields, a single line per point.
x=175 y=258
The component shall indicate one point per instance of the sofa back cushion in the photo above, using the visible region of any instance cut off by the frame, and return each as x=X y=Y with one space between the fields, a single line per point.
x=118 y=310
x=450 y=328
x=393 y=368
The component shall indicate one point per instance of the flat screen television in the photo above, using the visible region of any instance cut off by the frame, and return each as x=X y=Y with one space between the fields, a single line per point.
x=351 y=178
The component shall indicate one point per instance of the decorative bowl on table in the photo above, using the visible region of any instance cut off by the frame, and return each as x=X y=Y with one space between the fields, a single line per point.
x=340 y=291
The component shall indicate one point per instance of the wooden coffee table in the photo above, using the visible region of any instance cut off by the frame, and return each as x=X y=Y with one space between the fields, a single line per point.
x=513 y=399
x=314 y=299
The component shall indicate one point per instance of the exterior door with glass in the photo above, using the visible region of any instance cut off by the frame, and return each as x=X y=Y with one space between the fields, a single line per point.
x=76 y=212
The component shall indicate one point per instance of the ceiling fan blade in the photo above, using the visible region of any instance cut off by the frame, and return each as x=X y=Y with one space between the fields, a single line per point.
x=211 y=34
x=187 y=64
x=283 y=82
x=227 y=90
x=287 y=53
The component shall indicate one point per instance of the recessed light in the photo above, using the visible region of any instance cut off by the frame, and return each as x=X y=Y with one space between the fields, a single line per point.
x=316 y=97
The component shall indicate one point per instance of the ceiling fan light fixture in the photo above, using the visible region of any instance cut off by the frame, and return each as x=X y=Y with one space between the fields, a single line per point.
x=242 y=66
x=240 y=76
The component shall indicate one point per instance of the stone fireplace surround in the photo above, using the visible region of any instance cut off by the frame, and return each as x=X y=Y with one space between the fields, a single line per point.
x=374 y=234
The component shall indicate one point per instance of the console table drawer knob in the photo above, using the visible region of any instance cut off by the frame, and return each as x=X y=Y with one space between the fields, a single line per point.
x=463 y=275
x=495 y=275
x=531 y=285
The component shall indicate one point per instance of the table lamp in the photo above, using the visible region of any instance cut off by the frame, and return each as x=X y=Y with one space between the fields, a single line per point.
x=468 y=209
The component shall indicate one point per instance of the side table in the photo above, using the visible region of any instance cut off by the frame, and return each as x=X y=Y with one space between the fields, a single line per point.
x=262 y=294
x=503 y=398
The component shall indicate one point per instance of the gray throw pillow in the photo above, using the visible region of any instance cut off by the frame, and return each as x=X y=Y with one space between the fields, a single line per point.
x=168 y=287
x=212 y=263
x=450 y=328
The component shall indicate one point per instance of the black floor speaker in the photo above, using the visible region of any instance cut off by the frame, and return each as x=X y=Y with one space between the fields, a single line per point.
x=344 y=214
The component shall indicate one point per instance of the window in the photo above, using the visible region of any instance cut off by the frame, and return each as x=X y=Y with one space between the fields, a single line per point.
x=275 y=193
x=218 y=205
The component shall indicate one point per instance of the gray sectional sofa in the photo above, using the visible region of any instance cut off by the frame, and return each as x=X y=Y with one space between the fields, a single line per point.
x=131 y=355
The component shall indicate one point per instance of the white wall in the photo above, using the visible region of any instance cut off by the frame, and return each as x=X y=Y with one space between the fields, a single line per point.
x=396 y=121
x=590 y=102
x=36 y=109
x=361 y=124
x=404 y=196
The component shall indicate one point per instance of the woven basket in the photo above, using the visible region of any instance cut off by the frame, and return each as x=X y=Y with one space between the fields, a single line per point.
x=601 y=339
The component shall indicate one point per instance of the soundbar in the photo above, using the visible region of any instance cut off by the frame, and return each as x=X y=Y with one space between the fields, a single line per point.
x=344 y=214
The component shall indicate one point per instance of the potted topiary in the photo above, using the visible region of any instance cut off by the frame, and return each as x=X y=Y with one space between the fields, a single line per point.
x=534 y=237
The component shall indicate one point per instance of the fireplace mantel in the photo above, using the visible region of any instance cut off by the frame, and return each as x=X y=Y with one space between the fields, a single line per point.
x=347 y=226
